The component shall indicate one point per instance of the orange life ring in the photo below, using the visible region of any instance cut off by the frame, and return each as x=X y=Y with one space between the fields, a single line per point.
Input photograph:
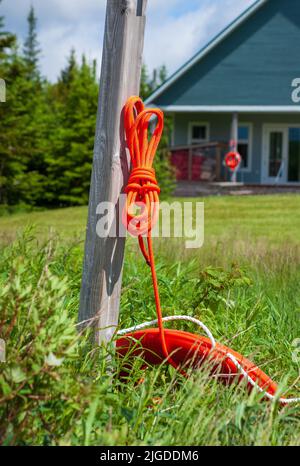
x=191 y=351
x=233 y=160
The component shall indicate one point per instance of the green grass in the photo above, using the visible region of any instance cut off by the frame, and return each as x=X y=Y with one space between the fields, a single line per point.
x=244 y=284
x=275 y=218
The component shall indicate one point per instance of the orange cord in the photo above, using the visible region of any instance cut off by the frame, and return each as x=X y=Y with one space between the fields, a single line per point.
x=142 y=189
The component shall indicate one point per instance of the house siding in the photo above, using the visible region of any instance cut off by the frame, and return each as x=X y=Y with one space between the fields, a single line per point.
x=220 y=132
x=254 y=65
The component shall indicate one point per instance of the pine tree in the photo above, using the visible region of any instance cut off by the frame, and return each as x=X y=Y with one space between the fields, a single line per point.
x=7 y=40
x=35 y=118
x=164 y=171
x=47 y=130
x=10 y=163
x=21 y=138
x=71 y=138
x=145 y=89
x=149 y=85
x=31 y=49
x=70 y=72
x=21 y=151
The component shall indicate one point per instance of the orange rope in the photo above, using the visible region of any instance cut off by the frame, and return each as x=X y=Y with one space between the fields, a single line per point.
x=142 y=189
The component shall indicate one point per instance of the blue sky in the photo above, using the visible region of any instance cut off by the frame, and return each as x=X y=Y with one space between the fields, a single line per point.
x=175 y=29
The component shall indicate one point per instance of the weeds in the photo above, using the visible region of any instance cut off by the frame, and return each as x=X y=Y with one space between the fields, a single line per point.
x=55 y=388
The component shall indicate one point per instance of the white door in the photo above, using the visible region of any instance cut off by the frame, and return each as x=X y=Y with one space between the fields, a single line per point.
x=275 y=155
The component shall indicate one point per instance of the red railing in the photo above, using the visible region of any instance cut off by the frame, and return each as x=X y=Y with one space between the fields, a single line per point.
x=201 y=162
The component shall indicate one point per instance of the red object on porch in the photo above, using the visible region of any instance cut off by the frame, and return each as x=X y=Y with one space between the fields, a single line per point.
x=201 y=162
x=193 y=167
x=232 y=160
x=180 y=161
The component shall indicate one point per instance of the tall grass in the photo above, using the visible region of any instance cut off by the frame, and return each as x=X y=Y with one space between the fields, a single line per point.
x=55 y=387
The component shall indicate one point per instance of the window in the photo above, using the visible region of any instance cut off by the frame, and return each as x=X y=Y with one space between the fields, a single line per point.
x=198 y=133
x=244 y=145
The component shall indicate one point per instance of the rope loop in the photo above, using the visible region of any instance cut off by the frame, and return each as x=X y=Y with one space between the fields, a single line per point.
x=142 y=189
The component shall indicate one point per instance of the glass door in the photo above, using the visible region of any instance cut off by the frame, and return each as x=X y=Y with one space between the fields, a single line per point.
x=275 y=155
x=294 y=155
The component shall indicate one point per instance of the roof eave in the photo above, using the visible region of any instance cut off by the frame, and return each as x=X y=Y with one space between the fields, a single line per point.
x=231 y=108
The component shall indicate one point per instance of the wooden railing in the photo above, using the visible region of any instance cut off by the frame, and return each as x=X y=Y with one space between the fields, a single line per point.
x=199 y=162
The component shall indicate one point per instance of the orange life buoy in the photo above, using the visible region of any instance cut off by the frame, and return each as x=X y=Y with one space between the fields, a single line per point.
x=191 y=351
x=233 y=160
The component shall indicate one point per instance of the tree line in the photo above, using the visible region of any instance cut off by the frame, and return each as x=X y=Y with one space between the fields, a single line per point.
x=47 y=128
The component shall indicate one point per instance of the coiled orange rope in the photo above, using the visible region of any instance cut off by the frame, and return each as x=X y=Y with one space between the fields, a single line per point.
x=142 y=189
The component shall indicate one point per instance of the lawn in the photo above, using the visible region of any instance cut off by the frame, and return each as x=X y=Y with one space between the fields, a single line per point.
x=274 y=218
x=55 y=388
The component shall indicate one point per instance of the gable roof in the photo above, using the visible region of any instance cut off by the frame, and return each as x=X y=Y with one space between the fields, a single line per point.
x=207 y=48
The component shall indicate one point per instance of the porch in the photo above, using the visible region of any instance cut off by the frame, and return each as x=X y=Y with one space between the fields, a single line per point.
x=200 y=189
x=199 y=162
x=268 y=143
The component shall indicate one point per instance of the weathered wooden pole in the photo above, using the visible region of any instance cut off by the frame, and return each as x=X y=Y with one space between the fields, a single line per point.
x=120 y=78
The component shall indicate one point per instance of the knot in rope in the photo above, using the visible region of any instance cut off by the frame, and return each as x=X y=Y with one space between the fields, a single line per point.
x=142 y=180
x=142 y=189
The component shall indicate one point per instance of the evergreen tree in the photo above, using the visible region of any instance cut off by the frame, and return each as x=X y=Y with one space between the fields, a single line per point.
x=10 y=164
x=31 y=49
x=145 y=89
x=71 y=139
x=150 y=84
x=7 y=40
x=21 y=147
x=164 y=171
x=35 y=118
x=47 y=130
x=68 y=74
x=20 y=137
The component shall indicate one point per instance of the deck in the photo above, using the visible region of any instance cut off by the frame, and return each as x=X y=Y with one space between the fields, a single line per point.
x=200 y=189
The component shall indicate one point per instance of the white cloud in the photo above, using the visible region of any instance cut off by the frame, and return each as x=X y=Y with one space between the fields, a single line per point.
x=173 y=40
x=62 y=25
x=175 y=30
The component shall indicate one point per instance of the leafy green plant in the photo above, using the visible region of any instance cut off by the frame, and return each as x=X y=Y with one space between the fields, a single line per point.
x=215 y=285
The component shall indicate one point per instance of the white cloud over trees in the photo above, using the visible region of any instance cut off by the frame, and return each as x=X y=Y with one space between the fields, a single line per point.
x=175 y=30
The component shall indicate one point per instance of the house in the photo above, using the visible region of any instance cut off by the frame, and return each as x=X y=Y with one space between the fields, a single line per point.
x=249 y=73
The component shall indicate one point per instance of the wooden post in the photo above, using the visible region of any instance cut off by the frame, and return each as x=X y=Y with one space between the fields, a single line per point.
x=218 y=162
x=234 y=140
x=120 y=78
